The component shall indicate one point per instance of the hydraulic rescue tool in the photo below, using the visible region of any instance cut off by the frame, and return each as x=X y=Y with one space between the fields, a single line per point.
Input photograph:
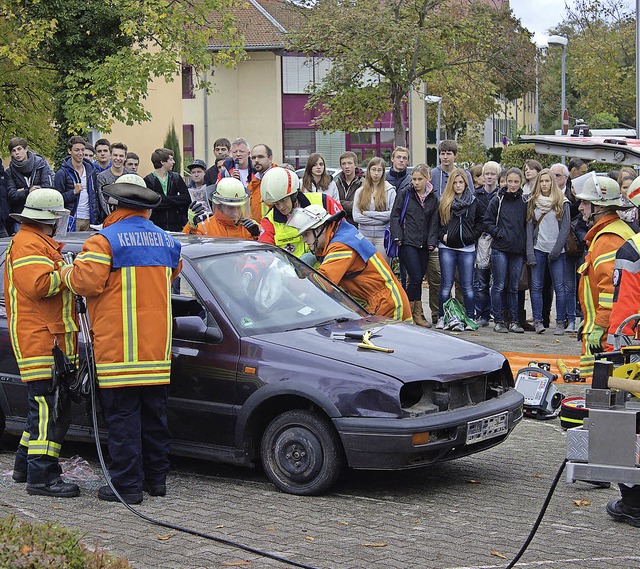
x=569 y=375
x=607 y=447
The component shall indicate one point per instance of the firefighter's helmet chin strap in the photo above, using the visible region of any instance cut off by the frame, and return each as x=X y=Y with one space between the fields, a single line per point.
x=597 y=213
x=317 y=232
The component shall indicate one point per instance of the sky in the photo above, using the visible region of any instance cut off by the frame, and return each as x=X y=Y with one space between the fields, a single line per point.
x=539 y=15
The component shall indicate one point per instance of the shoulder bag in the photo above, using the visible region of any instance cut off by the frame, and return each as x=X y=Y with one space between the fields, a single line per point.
x=391 y=246
x=483 y=246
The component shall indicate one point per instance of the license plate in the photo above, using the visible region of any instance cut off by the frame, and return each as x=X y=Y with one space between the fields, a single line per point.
x=487 y=428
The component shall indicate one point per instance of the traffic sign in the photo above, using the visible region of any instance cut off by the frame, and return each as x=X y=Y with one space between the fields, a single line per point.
x=565 y=122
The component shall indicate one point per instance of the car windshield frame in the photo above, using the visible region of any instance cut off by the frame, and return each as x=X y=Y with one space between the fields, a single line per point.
x=267 y=290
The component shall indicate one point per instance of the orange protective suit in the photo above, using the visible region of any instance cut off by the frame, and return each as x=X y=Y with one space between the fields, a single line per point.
x=372 y=284
x=39 y=305
x=604 y=239
x=219 y=225
x=130 y=311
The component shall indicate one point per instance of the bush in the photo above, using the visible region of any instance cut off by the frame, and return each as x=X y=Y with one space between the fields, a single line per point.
x=513 y=156
x=47 y=545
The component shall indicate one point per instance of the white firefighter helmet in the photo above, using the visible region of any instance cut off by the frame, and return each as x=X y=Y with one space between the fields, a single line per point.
x=130 y=190
x=601 y=190
x=229 y=191
x=278 y=183
x=44 y=205
x=633 y=193
x=310 y=217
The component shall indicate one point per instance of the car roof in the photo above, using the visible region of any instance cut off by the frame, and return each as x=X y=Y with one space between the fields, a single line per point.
x=193 y=246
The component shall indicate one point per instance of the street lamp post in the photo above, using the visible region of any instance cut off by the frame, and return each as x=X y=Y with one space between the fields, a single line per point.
x=436 y=99
x=562 y=42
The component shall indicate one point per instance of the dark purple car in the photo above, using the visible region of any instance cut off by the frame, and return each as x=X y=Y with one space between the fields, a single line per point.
x=266 y=370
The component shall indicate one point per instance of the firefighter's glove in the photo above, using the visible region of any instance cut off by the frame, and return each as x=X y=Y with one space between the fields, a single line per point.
x=251 y=226
x=195 y=213
x=594 y=339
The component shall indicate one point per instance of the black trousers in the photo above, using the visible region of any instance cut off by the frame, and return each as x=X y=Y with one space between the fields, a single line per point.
x=138 y=435
x=42 y=438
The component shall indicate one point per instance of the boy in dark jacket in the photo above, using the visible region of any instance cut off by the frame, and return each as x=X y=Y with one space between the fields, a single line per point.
x=171 y=214
x=506 y=221
x=75 y=180
x=27 y=171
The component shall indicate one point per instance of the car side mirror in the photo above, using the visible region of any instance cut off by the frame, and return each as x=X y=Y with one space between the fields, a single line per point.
x=194 y=328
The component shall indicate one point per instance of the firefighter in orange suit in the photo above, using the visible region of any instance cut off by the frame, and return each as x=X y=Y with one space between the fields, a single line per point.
x=351 y=262
x=229 y=200
x=626 y=281
x=40 y=313
x=125 y=272
x=600 y=199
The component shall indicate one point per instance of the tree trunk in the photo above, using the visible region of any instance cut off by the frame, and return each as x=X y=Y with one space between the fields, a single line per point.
x=399 y=130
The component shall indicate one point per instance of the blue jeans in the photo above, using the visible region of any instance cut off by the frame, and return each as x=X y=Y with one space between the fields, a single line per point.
x=481 y=284
x=570 y=284
x=463 y=260
x=505 y=269
x=556 y=268
x=414 y=260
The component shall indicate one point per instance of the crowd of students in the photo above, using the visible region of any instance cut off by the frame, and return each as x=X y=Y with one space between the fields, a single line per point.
x=488 y=234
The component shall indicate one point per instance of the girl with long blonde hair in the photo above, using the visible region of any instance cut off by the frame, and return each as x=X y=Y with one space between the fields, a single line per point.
x=548 y=225
x=460 y=226
x=372 y=205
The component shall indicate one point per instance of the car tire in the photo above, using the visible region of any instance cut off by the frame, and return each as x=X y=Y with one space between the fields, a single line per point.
x=301 y=453
x=2 y=423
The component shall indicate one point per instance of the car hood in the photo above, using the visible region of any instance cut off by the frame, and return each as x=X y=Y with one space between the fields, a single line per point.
x=418 y=353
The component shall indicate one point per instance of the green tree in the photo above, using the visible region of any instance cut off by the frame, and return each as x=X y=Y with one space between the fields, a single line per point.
x=102 y=55
x=471 y=148
x=600 y=66
x=172 y=142
x=380 y=50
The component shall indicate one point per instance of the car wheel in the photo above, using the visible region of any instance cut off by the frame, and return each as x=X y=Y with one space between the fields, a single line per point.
x=301 y=453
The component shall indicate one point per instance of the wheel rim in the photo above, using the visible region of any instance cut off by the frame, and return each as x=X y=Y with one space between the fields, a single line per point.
x=298 y=454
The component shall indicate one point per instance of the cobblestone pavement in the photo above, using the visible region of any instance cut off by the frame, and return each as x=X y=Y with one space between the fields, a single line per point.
x=470 y=513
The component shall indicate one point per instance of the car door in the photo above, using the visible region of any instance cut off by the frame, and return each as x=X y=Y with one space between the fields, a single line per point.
x=203 y=375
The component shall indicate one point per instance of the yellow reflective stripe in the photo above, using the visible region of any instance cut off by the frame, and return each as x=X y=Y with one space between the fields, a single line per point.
x=169 y=322
x=605 y=258
x=568 y=420
x=129 y=314
x=605 y=299
x=54 y=284
x=35 y=374
x=43 y=418
x=13 y=295
x=159 y=365
x=47 y=448
x=36 y=361
x=33 y=260
x=70 y=324
x=101 y=258
x=24 y=439
x=590 y=309
x=586 y=365
x=142 y=379
x=385 y=272
x=338 y=255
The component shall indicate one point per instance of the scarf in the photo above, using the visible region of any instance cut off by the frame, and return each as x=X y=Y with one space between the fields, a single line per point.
x=543 y=204
x=27 y=166
x=461 y=203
